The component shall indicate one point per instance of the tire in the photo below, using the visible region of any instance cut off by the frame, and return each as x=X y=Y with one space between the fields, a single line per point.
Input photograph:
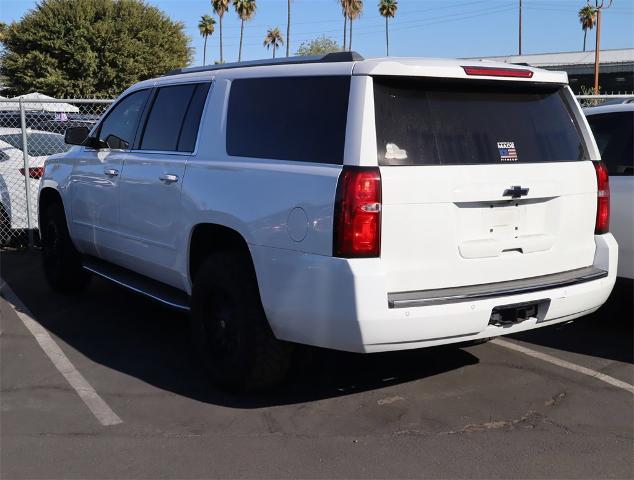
x=230 y=329
x=60 y=260
x=5 y=227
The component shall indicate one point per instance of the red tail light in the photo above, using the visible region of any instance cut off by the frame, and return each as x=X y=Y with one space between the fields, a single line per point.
x=602 y=224
x=34 y=172
x=357 y=220
x=498 y=72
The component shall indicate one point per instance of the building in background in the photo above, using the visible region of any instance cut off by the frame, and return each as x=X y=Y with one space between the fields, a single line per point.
x=616 y=70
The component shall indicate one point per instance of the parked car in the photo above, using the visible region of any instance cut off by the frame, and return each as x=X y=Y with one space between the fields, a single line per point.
x=13 y=211
x=613 y=128
x=358 y=205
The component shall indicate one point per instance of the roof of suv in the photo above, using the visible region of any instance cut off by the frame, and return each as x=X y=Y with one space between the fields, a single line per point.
x=351 y=63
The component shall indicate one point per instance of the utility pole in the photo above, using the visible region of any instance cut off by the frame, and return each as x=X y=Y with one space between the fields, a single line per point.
x=520 y=29
x=597 y=48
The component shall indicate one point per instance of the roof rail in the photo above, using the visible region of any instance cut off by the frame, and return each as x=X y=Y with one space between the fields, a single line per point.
x=328 y=58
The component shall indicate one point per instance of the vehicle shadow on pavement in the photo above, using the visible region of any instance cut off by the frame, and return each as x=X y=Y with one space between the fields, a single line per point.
x=133 y=335
x=608 y=333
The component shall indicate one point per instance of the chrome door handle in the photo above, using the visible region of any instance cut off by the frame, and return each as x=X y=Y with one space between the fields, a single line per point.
x=168 y=178
x=111 y=172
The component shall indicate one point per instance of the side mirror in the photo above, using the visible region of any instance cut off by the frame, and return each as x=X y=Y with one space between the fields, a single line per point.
x=76 y=135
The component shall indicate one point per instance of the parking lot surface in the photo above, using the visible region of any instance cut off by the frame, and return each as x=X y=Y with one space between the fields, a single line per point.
x=462 y=411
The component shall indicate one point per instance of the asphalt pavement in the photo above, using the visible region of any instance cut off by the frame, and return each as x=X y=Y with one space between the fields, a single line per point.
x=481 y=411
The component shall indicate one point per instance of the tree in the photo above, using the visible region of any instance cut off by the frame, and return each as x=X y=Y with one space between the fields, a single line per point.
x=288 y=27
x=220 y=7
x=345 y=8
x=587 y=18
x=90 y=48
x=206 y=28
x=387 y=8
x=355 y=9
x=245 y=10
x=319 y=46
x=273 y=39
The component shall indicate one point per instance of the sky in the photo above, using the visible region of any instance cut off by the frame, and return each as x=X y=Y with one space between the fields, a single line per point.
x=430 y=28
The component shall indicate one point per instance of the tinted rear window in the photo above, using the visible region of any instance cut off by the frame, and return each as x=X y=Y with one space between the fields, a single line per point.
x=38 y=144
x=427 y=122
x=292 y=118
x=613 y=133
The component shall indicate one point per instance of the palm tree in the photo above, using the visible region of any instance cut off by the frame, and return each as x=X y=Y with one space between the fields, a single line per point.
x=273 y=39
x=206 y=28
x=245 y=10
x=345 y=8
x=220 y=7
x=387 y=8
x=587 y=18
x=288 y=27
x=355 y=9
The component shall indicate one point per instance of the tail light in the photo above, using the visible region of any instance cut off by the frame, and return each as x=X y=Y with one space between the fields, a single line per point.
x=34 y=172
x=357 y=219
x=602 y=224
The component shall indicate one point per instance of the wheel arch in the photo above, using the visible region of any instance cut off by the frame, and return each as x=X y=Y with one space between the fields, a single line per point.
x=206 y=238
x=48 y=196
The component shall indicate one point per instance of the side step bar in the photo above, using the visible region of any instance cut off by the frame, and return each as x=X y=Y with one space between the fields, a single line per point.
x=167 y=295
x=423 y=298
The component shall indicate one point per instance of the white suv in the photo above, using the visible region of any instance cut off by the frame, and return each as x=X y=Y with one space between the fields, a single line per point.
x=360 y=205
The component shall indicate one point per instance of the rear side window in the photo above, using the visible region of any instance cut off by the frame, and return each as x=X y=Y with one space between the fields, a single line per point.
x=431 y=122
x=291 y=118
x=172 y=123
x=614 y=133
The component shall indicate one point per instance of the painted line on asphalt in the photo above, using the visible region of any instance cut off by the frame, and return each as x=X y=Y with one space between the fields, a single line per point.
x=564 y=364
x=99 y=408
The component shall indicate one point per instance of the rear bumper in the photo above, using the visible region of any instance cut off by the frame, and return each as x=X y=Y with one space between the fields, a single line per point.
x=343 y=304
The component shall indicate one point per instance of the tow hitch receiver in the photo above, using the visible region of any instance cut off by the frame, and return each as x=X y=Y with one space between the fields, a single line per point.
x=506 y=315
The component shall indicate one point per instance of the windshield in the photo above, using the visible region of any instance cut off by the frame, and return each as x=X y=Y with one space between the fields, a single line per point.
x=38 y=144
x=457 y=122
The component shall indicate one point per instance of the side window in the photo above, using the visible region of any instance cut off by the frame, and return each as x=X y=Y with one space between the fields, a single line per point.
x=613 y=133
x=173 y=121
x=289 y=118
x=120 y=126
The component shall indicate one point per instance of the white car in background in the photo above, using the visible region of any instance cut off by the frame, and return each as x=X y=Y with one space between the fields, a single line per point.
x=13 y=211
x=613 y=129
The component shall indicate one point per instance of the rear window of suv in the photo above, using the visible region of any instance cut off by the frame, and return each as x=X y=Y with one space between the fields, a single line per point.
x=289 y=118
x=457 y=122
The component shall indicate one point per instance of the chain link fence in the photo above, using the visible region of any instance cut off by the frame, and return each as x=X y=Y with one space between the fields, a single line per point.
x=32 y=129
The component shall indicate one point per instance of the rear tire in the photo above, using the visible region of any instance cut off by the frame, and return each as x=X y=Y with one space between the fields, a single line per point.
x=60 y=259
x=230 y=329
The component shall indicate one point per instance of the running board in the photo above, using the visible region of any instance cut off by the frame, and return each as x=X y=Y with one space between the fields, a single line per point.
x=165 y=294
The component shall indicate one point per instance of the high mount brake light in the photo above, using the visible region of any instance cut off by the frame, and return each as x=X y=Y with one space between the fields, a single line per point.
x=602 y=224
x=498 y=72
x=357 y=218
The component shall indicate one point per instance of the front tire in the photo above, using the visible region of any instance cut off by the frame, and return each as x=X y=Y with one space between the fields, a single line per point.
x=230 y=328
x=60 y=260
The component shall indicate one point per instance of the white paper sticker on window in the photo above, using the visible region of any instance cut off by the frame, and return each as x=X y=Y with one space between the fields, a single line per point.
x=392 y=152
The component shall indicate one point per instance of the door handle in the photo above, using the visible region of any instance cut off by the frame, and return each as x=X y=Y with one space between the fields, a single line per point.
x=168 y=178
x=111 y=172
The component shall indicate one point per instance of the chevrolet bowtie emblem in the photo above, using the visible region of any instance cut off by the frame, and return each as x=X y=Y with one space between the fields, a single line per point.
x=515 y=192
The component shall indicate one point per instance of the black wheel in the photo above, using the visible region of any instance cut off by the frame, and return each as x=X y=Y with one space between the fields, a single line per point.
x=60 y=259
x=230 y=328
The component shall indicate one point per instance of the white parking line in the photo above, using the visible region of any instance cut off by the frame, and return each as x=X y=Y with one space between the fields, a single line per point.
x=99 y=408
x=564 y=364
